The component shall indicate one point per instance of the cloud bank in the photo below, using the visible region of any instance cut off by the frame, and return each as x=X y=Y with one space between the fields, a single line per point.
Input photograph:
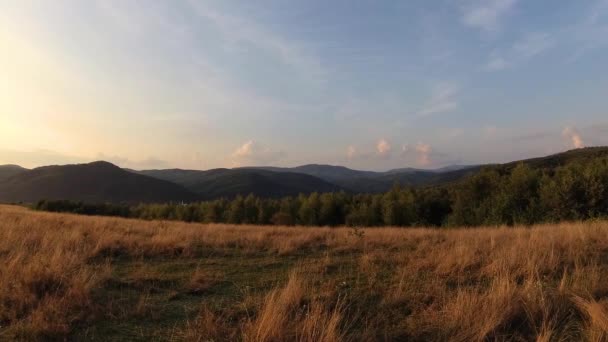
x=423 y=152
x=420 y=154
x=252 y=153
x=383 y=148
x=486 y=15
x=573 y=137
x=443 y=99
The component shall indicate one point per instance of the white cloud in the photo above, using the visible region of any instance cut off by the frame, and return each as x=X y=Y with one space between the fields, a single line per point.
x=599 y=10
x=244 y=150
x=424 y=155
x=496 y=63
x=580 y=38
x=527 y=47
x=533 y=44
x=573 y=137
x=420 y=154
x=252 y=153
x=383 y=148
x=423 y=152
x=443 y=99
x=590 y=33
x=239 y=30
x=487 y=15
x=351 y=152
x=219 y=87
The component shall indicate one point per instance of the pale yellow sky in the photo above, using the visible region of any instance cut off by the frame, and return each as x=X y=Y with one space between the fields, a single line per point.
x=204 y=84
x=47 y=104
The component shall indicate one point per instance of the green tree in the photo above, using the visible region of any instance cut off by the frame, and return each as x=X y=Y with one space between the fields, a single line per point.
x=308 y=213
x=236 y=210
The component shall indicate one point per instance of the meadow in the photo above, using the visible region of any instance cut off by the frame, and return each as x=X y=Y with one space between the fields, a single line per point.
x=69 y=277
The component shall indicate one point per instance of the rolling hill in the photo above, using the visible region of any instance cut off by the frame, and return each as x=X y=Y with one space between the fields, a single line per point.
x=104 y=182
x=560 y=159
x=373 y=182
x=386 y=181
x=277 y=181
x=7 y=171
x=330 y=173
x=93 y=182
x=231 y=182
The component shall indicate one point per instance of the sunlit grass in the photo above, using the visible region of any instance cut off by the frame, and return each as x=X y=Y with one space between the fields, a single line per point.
x=94 y=278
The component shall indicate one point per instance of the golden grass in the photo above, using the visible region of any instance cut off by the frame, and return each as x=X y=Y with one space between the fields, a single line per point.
x=546 y=283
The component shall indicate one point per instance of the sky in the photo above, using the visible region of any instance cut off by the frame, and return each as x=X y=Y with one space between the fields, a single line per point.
x=366 y=84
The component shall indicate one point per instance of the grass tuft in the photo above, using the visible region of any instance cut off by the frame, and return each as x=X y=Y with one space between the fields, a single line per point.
x=67 y=277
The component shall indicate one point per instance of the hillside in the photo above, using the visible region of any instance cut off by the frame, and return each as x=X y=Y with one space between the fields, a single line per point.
x=373 y=182
x=329 y=173
x=450 y=174
x=93 y=182
x=386 y=181
x=580 y=155
x=7 y=171
x=104 y=182
x=231 y=182
x=526 y=192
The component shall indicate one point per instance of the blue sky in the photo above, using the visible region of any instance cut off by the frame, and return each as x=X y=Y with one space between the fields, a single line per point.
x=366 y=84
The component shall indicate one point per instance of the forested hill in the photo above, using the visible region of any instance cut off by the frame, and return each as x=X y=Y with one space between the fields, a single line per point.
x=93 y=182
x=229 y=183
x=278 y=182
x=577 y=156
x=7 y=171
x=569 y=186
x=104 y=182
x=357 y=181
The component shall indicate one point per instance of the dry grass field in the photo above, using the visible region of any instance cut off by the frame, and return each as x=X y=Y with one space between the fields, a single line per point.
x=98 y=278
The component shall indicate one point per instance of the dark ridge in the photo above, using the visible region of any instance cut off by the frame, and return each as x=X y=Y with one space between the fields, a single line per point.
x=101 y=181
x=94 y=182
x=7 y=171
x=229 y=183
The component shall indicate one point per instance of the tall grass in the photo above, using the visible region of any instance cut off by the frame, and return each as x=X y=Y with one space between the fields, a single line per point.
x=545 y=283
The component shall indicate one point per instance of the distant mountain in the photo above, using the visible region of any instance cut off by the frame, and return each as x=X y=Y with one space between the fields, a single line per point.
x=451 y=168
x=218 y=183
x=104 y=182
x=416 y=177
x=404 y=170
x=371 y=181
x=326 y=172
x=386 y=181
x=94 y=182
x=7 y=171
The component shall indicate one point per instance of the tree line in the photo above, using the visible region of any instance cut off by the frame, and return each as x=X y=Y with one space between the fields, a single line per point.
x=492 y=196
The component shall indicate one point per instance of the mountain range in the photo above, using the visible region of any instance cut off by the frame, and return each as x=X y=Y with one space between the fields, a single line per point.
x=93 y=182
x=104 y=182
x=218 y=183
x=7 y=171
x=281 y=181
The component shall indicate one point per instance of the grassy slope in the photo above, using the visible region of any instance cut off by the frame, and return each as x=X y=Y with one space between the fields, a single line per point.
x=106 y=278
